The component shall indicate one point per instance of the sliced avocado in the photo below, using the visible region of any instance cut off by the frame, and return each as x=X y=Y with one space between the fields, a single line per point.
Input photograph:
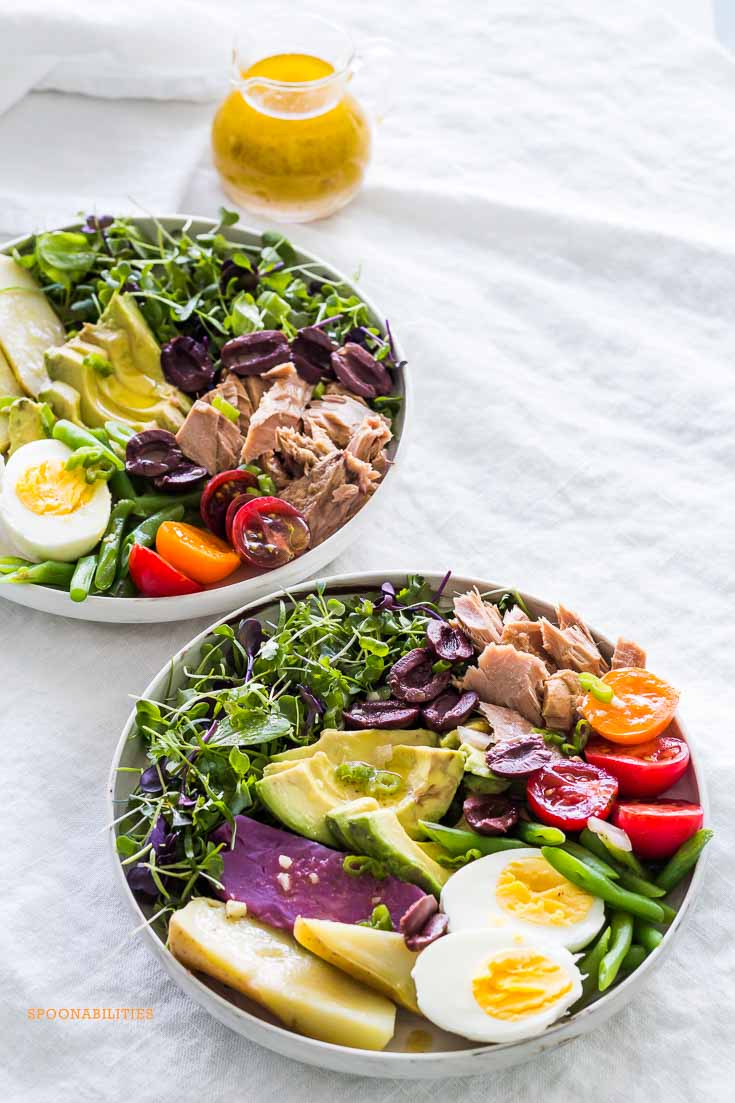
x=24 y=423
x=453 y=738
x=301 y=793
x=378 y=833
x=9 y=385
x=4 y=430
x=133 y=389
x=28 y=326
x=371 y=745
x=64 y=400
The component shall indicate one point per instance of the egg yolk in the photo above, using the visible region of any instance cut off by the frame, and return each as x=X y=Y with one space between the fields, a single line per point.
x=518 y=984
x=49 y=489
x=533 y=890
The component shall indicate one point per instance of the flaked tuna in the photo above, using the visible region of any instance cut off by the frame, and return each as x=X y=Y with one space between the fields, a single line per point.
x=339 y=415
x=572 y=648
x=302 y=452
x=209 y=438
x=478 y=619
x=526 y=635
x=561 y=693
x=511 y=678
x=232 y=390
x=331 y=493
x=627 y=653
x=282 y=406
x=504 y=723
x=370 y=438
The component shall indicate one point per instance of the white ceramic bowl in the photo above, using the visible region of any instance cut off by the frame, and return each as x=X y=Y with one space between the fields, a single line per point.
x=449 y=1055
x=246 y=586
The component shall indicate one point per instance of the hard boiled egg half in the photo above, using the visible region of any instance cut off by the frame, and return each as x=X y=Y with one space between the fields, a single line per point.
x=492 y=986
x=518 y=892
x=49 y=511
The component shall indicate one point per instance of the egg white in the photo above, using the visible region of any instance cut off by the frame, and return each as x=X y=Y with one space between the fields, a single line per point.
x=444 y=973
x=470 y=901
x=45 y=536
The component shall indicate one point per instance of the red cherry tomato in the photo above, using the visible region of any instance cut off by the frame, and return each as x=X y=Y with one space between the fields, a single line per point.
x=566 y=794
x=644 y=770
x=235 y=504
x=268 y=532
x=657 y=829
x=217 y=495
x=154 y=577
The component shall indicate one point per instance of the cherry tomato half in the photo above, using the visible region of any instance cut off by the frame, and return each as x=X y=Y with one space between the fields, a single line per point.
x=643 y=769
x=642 y=706
x=657 y=829
x=197 y=553
x=217 y=495
x=566 y=794
x=268 y=532
x=235 y=504
x=154 y=577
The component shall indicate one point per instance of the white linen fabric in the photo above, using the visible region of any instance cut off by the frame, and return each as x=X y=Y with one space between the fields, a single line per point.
x=550 y=225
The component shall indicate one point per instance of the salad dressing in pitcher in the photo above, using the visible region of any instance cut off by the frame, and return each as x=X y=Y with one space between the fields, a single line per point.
x=289 y=141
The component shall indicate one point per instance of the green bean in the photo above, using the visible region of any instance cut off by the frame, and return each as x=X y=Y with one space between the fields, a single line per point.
x=10 y=563
x=456 y=841
x=621 y=927
x=589 y=859
x=145 y=533
x=110 y=547
x=685 y=859
x=647 y=935
x=121 y=486
x=598 y=885
x=123 y=588
x=146 y=504
x=82 y=578
x=589 y=965
x=669 y=914
x=119 y=433
x=635 y=956
x=74 y=436
x=538 y=834
x=640 y=884
x=48 y=573
x=600 y=846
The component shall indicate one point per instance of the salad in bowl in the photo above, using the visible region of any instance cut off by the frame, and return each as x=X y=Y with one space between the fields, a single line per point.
x=406 y=818
x=184 y=407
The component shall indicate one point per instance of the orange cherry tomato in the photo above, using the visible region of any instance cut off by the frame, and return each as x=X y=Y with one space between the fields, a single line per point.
x=199 y=554
x=642 y=706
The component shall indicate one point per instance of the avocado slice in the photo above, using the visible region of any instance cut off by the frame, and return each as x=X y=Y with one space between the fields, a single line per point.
x=369 y=745
x=4 y=430
x=301 y=793
x=378 y=833
x=64 y=400
x=24 y=423
x=9 y=385
x=115 y=366
x=28 y=326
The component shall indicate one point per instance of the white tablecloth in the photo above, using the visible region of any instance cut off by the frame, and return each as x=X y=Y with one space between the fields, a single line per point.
x=551 y=225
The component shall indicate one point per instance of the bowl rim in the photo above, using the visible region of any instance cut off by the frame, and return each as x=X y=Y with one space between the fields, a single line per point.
x=188 y=604
x=382 y=1062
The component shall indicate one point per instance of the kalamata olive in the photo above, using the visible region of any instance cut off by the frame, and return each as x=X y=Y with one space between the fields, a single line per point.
x=255 y=353
x=381 y=714
x=431 y=930
x=449 y=710
x=311 y=352
x=184 y=477
x=152 y=452
x=419 y=913
x=359 y=371
x=413 y=680
x=186 y=364
x=517 y=757
x=246 y=278
x=449 y=643
x=488 y=814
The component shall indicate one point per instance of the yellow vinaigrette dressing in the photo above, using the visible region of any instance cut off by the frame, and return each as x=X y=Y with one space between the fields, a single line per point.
x=290 y=142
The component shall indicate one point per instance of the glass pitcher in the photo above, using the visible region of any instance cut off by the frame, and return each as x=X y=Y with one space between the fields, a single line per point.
x=291 y=142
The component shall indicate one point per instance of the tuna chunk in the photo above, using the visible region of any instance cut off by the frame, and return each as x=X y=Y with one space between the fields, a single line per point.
x=627 y=653
x=302 y=452
x=478 y=619
x=504 y=723
x=561 y=693
x=572 y=648
x=209 y=438
x=567 y=619
x=370 y=438
x=513 y=679
x=272 y=465
x=526 y=635
x=514 y=613
x=232 y=390
x=338 y=415
x=329 y=495
x=281 y=407
x=255 y=387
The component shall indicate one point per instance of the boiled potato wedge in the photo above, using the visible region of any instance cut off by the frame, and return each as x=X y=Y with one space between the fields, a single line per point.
x=271 y=968
x=378 y=958
x=8 y=383
x=28 y=326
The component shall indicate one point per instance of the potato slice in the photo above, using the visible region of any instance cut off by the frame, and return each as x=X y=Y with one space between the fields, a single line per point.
x=270 y=967
x=8 y=383
x=28 y=326
x=378 y=958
